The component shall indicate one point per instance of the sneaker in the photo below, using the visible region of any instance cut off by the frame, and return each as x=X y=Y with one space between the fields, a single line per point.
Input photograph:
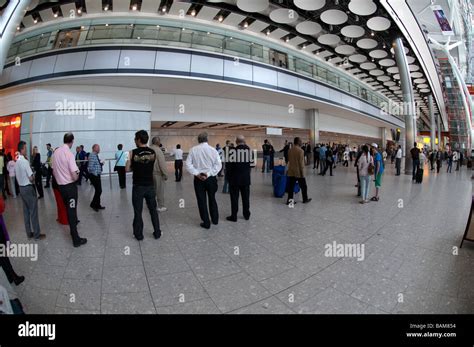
x=162 y=209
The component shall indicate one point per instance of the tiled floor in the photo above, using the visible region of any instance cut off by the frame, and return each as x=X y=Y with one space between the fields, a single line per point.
x=274 y=263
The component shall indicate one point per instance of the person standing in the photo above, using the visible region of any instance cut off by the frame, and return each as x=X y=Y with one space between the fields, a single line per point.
x=285 y=150
x=11 y=175
x=49 y=156
x=36 y=164
x=238 y=173
x=329 y=162
x=160 y=175
x=120 y=160
x=398 y=160
x=316 y=157
x=322 y=159
x=141 y=162
x=94 y=168
x=204 y=163
x=346 y=157
x=415 y=157
x=296 y=172
x=378 y=170
x=266 y=148
x=364 y=162
x=2 y=176
x=450 y=162
x=178 y=163
x=66 y=173
x=25 y=179
x=439 y=160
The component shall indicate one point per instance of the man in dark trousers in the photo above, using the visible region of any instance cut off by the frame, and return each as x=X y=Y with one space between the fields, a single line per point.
x=316 y=157
x=415 y=157
x=285 y=150
x=238 y=173
x=296 y=172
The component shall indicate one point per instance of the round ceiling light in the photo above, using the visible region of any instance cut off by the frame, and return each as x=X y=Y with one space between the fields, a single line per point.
x=367 y=43
x=253 y=5
x=410 y=60
x=383 y=78
x=414 y=68
x=358 y=58
x=310 y=5
x=308 y=28
x=423 y=86
x=329 y=39
x=406 y=50
x=362 y=7
x=378 y=54
x=387 y=62
x=345 y=50
x=394 y=88
x=393 y=69
x=376 y=72
x=419 y=80
x=424 y=90
x=379 y=23
x=283 y=16
x=353 y=31
x=416 y=75
x=390 y=84
x=396 y=77
x=368 y=66
x=334 y=17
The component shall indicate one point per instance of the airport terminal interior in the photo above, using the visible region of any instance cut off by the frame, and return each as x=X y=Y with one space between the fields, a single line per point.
x=354 y=196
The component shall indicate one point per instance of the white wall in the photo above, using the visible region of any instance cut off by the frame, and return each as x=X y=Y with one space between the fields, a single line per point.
x=166 y=107
x=346 y=126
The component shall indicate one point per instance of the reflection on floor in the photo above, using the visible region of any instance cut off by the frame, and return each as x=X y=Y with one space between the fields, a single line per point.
x=274 y=263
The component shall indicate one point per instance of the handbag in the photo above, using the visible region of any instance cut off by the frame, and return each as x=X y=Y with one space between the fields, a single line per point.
x=115 y=166
x=371 y=168
x=44 y=170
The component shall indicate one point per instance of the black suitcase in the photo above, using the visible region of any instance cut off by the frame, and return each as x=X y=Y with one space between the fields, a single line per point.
x=419 y=176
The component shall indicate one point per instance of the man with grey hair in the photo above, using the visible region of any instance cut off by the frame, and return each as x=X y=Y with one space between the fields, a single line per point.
x=238 y=173
x=204 y=163
x=159 y=173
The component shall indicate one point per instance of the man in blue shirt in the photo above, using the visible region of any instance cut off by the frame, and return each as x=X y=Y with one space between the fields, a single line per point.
x=95 y=170
x=378 y=171
x=322 y=159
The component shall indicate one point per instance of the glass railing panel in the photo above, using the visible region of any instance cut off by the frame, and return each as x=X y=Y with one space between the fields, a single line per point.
x=344 y=84
x=146 y=32
x=238 y=47
x=257 y=52
x=304 y=67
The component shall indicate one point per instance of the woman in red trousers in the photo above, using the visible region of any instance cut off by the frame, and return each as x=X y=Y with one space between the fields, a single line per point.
x=62 y=213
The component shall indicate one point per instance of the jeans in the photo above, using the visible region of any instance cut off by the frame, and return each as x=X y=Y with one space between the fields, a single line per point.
x=266 y=163
x=138 y=194
x=322 y=165
x=30 y=210
x=97 y=183
x=365 y=187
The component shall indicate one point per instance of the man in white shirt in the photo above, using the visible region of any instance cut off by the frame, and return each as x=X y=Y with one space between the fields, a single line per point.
x=204 y=163
x=25 y=179
x=178 y=162
x=398 y=160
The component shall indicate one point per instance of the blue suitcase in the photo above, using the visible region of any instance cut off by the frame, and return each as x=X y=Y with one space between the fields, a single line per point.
x=277 y=170
x=279 y=185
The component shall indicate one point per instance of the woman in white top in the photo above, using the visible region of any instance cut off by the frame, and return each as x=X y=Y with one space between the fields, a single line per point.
x=11 y=174
x=364 y=162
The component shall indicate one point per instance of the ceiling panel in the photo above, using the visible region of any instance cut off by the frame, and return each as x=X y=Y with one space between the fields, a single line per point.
x=207 y=13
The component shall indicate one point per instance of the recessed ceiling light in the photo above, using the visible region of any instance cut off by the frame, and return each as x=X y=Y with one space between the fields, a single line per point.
x=106 y=8
x=134 y=7
x=35 y=21
x=79 y=11
x=287 y=39
x=193 y=13
x=107 y=24
x=18 y=28
x=164 y=9
x=246 y=25
x=221 y=18
x=157 y=26
x=55 y=15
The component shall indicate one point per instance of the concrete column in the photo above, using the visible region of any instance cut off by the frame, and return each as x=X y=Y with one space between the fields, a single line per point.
x=11 y=17
x=433 y=121
x=439 y=131
x=313 y=117
x=383 y=135
x=408 y=100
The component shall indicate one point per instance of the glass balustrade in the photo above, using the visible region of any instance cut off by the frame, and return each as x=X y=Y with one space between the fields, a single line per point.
x=139 y=34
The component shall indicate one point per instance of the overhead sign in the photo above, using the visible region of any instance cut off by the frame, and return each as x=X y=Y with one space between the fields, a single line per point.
x=442 y=20
x=274 y=131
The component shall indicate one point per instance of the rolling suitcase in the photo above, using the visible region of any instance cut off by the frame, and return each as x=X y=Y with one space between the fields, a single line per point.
x=419 y=176
x=279 y=185
x=278 y=170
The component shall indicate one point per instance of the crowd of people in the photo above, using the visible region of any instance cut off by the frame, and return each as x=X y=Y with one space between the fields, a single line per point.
x=64 y=171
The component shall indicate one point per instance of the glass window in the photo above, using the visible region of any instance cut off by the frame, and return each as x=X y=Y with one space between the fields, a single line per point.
x=303 y=67
x=242 y=48
x=257 y=52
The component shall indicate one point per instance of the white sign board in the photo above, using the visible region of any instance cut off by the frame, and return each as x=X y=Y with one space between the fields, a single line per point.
x=274 y=131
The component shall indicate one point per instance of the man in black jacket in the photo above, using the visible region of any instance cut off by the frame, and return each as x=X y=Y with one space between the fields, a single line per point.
x=238 y=173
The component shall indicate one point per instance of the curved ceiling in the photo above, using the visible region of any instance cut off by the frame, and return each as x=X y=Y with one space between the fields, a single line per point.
x=360 y=30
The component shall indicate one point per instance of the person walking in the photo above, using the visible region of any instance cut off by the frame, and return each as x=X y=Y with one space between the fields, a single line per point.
x=141 y=162
x=296 y=172
x=415 y=157
x=316 y=157
x=5 y=263
x=204 y=163
x=329 y=162
x=36 y=164
x=49 y=156
x=178 y=162
x=285 y=150
x=120 y=161
x=238 y=174
x=450 y=162
x=365 y=164
x=398 y=160
x=60 y=205
x=439 y=160
x=66 y=173
x=160 y=175
x=25 y=179
x=378 y=170
x=322 y=159
x=94 y=168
